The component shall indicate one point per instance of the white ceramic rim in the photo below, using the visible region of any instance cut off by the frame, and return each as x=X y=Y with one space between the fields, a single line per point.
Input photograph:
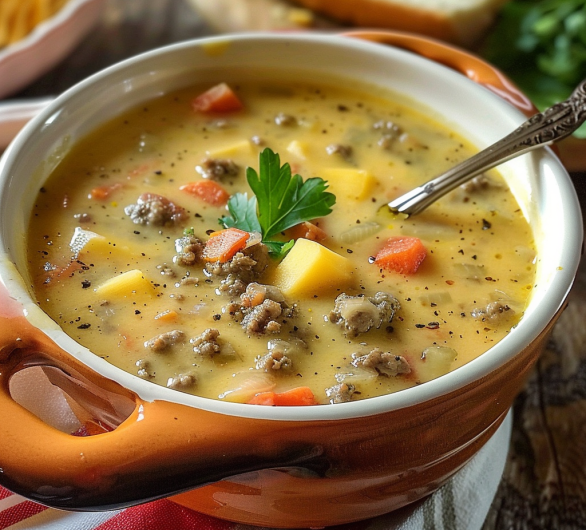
x=23 y=61
x=553 y=179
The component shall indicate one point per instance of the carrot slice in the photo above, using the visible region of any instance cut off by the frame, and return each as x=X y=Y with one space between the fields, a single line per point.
x=219 y=98
x=401 y=254
x=222 y=245
x=101 y=193
x=208 y=191
x=301 y=395
x=306 y=230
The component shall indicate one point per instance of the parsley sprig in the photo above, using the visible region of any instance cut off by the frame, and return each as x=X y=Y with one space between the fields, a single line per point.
x=280 y=201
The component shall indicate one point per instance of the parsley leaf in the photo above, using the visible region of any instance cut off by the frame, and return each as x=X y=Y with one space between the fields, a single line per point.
x=243 y=212
x=280 y=202
x=284 y=200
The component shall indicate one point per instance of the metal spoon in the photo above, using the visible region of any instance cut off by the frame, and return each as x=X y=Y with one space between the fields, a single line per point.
x=545 y=128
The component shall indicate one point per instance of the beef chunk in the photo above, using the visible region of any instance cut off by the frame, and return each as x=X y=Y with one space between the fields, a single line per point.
x=207 y=343
x=143 y=369
x=359 y=314
x=390 y=132
x=246 y=265
x=217 y=168
x=274 y=360
x=259 y=308
x=165 y=341
x=340 y=393
x=385 y=363
x=494 y=311
x=257 y=293
x=232 y=285
x=262 y=318
x=153 y=209
x=345 y=151
x=285 y=120
x=189 y=250
x=182 y=381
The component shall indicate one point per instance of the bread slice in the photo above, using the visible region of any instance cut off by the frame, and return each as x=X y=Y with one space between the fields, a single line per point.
x=462 y=22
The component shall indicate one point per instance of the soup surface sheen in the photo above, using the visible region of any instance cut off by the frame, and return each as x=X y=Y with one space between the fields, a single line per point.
x=117 y=249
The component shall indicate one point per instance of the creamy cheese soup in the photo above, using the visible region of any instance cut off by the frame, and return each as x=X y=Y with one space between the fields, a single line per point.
x=147 y=246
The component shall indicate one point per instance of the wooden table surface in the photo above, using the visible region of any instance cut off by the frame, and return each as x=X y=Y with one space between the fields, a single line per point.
x=544 y=483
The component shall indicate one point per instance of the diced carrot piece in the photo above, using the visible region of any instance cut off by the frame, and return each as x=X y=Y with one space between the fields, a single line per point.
x=301 y=395
x=401 y=254
x=255 y=295
x=219 y=98
x=307 y=230
x=264 y=398
x=101 y=193
x=222 y=245
x=208 y=191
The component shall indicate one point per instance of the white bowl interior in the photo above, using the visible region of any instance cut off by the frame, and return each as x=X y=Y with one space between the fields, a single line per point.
x=541 y=185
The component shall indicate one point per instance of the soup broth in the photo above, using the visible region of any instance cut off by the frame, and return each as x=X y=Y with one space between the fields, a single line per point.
x=121 y=256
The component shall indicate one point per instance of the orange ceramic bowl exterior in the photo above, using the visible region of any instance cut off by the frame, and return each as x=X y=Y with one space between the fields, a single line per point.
x=299 y=467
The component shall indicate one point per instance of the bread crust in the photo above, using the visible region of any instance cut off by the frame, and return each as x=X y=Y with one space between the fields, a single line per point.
x=464 y=26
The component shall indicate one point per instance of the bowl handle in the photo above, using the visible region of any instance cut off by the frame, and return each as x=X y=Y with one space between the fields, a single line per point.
x=143 y=450
x=464 y=62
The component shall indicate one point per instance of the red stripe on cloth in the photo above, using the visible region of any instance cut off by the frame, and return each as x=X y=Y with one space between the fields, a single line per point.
x=19 y=512
x=163 y=515
x=4 y=493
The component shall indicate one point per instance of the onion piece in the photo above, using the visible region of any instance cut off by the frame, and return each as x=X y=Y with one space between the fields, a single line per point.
x=442 y=297
x=254 y=239
x=470 y=271
x=246 y=385
x=359 y=232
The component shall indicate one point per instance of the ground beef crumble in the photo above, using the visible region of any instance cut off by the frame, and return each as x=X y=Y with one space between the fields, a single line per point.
x=182 y=381
x=494 y=312
x=246 y=265
x=165 y=341
x=153 y=209
x=359 y=314
x=344 y=151
x=274 y=360
x=385 y=363
x=207 y=343
x=340 y=393
x=263 y=318
x=189 y=250
x=217 y=168
x=259 y=308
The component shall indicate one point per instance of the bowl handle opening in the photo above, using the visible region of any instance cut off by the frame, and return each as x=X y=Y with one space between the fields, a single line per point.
x=123 y=450
x=455 y=58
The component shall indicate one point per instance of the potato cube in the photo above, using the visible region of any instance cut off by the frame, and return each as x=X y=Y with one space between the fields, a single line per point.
x=435 y=361
x=243 y=147
x=356 y=184
x=310 y=269
x=298 y=149
x=88 y=242
x=130 y=283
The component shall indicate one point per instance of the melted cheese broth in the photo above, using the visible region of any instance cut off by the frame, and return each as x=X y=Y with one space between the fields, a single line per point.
x=479 y=246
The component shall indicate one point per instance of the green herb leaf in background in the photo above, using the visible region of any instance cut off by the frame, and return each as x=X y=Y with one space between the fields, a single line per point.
x=541 y=46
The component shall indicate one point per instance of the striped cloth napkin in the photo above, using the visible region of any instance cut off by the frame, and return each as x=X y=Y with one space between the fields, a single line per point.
x=461 y=504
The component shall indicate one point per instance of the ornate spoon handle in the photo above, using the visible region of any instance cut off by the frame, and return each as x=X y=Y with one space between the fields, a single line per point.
x=545 y=128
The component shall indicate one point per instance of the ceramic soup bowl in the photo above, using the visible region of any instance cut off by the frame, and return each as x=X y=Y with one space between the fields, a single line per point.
x=271 y=466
